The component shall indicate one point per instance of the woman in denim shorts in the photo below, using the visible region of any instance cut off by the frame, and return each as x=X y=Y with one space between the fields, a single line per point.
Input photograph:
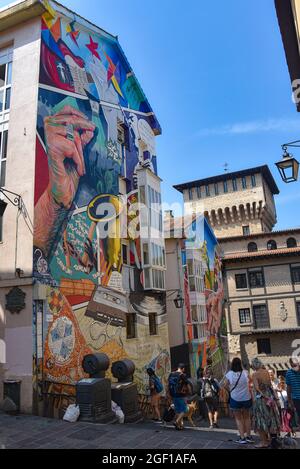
x=237 y=383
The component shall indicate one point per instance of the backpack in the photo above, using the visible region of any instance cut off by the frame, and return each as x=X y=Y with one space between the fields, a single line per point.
x=209 y=389
x=175 y=384
x=158 y=384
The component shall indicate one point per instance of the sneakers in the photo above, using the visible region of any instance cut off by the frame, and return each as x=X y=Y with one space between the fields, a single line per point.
x=249 y=440
x=241 y=441
x=215 y=425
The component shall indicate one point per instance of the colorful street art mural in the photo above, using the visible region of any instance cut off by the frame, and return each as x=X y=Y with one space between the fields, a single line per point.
x=200 y=246
x=94 y=127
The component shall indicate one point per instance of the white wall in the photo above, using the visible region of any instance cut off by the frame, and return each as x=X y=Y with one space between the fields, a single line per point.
x=16 y=330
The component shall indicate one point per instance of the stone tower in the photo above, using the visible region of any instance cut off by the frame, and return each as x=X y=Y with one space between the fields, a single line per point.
x=237 y=203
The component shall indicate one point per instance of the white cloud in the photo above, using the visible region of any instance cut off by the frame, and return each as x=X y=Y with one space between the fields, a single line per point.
x=251 y=127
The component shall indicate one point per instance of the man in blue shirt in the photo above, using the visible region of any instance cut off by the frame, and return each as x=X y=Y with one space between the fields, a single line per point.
x=293 y=385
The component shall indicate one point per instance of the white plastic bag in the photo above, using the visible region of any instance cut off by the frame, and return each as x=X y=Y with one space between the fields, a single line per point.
x=72 y=413
x=118 y=411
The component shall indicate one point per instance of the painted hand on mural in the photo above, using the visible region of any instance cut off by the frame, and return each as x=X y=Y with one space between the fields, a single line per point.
x=67 y=133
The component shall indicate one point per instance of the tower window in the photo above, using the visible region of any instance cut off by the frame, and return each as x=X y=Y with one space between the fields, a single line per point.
x=252 y=247
x=272 y=245
x=291 y=243
x=246 y=230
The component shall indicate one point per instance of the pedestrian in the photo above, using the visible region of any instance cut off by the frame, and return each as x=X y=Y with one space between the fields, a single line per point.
x=292 y=380
x=210 y=389
x=265 y=410
x=156 y=389
x=285 y=412
x=238 y=386
x=274 y=380
x=178 y=387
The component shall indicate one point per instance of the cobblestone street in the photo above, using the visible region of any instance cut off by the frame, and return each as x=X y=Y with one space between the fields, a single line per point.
x=30 y=432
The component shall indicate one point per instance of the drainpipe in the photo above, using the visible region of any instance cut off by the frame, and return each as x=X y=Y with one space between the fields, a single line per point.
x=181 y=287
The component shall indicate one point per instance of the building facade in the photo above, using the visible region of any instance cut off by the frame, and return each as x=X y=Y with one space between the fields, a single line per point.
x=197 y=329
x=262 y=279
x=87 y=261
x=236 y=203
x=260 y=266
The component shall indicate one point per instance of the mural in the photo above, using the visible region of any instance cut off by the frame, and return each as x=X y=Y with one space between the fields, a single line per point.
x=94 y=127
x=201 y=246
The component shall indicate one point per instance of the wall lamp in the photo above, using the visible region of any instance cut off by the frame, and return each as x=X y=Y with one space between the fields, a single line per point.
x=179 y=301
x=288 y=166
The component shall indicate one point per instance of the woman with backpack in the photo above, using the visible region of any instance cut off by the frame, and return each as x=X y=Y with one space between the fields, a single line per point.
x=237 y=384
x=156 y=389
x=210 y=394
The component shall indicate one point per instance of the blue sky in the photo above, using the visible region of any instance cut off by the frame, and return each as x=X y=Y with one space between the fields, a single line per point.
x=216 y=76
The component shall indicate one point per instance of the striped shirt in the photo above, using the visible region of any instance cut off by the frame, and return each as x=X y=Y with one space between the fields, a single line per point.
x=292 y=379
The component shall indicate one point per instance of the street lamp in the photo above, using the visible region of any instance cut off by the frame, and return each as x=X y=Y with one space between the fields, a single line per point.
x=288 y=167
x=179 y=301
x=17 y=201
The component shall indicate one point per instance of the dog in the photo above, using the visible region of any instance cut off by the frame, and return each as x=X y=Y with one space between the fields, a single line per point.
x=192 y=407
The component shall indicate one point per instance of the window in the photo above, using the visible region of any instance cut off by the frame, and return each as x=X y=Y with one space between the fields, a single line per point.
x=207 y=191
x=158 y=279
x=244 y=182
x=131 y=325
x=253 y=180
x=291 y=243
x=261 y=317
x=298 y=313
x=194 y=313
x=252 y=247
x=295 y=274
x=158 y=255
x=264 y=346
x=216 y=189
x=256 y=279
x=5 y=81
x=245 y=317
x=199 y=192
x=124 y=254
x=3 y=156
x=190 y=194
x=146 y=254
x=155 y=211
x=195 y=332
x=225 y=186
x=241 y=281
x=246 y=230
x=271 y=245
x=234 y=185
x=153 y=323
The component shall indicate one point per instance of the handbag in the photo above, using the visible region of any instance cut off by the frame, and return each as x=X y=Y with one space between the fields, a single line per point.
x=236 y=384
